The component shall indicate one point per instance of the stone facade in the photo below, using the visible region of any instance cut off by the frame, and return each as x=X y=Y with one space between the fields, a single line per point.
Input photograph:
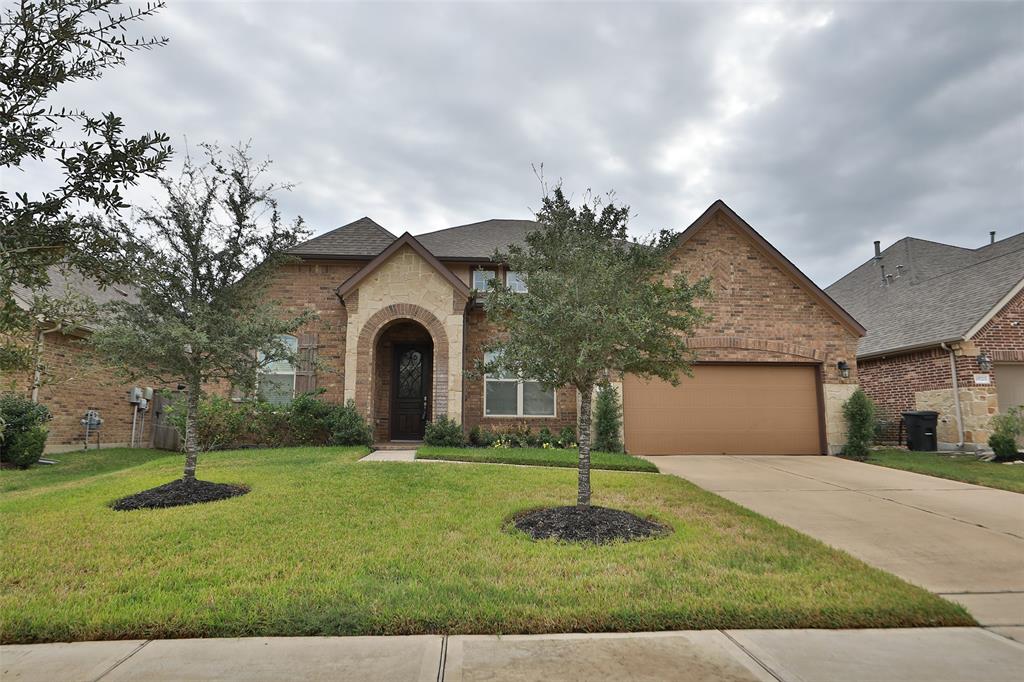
x=922 y=380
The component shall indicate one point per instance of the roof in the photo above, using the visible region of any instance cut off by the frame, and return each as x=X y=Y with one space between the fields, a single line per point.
x=940 y=294
x=61 y=280
x=787 y=266
x=360 y=239
x=477 y=241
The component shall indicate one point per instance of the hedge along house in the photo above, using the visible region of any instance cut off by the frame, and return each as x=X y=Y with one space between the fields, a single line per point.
x=945 y=332
x=402 y=325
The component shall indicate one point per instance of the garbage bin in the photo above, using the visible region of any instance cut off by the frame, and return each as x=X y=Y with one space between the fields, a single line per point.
x=922 y=428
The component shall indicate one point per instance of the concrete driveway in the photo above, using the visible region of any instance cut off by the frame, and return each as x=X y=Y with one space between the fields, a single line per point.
x=965 y=542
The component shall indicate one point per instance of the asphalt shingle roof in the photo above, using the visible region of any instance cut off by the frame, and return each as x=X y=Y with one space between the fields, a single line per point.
x=941 y=292
x=476 y=240
x=362 y=238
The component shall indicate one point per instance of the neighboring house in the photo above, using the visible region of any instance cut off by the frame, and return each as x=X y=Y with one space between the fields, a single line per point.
x=939 y=317
x=72 y=381
x=402 y=325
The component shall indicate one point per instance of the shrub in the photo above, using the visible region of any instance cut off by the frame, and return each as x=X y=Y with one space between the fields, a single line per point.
x=445 y=433
x=24 y=434
x=24 y=448
x=347 y=426
x=220 y=423
x=607 y=420
x=481 y=437
x=567 y=437
x=545 y=437
x=859 y=413
x=1007 y=428
x=308 y=419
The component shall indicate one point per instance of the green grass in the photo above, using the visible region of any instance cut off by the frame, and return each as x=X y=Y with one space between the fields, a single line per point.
x=79 y=464
x=613 y=461
x=323 y=545
x=958 y=467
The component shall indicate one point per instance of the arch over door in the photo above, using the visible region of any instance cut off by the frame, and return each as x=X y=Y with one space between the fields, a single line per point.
x=740 y=409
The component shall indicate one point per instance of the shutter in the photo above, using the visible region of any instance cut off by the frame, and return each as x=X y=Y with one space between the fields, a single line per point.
x=305 y=367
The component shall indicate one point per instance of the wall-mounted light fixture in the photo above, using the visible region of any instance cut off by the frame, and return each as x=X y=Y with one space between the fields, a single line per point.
x=844 y=369
x=984 y=362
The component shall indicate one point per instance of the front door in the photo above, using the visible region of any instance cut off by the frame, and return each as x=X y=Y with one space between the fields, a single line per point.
x=410 y=398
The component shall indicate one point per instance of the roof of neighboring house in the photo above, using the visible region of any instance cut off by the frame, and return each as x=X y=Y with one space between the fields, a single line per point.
x=61 y=280
x=361 y=239
x=941 y=291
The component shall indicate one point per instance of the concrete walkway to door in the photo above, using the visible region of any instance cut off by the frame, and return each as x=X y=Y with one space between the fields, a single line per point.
x=964 y=542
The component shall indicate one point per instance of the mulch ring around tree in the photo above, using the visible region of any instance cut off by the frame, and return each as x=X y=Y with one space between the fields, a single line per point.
x=179 y=493
x=587 y=524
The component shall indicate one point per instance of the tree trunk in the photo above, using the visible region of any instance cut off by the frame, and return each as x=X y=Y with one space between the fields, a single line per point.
x=191 y=419
x=583 y=493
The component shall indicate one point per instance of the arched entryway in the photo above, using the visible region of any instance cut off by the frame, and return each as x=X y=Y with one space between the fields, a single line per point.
x=403 y=391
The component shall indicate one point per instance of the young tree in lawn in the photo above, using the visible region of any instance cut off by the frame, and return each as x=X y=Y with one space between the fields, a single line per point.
x=596 y=302
x=44 y=46
x=202 y=313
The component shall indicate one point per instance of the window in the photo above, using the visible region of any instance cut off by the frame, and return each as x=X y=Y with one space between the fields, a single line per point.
x=507 y=396
x=516 y=281
x=482 y=278
x=277 y=382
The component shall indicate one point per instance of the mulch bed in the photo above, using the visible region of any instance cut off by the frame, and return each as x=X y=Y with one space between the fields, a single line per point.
x=178 y=493
x=587 y=524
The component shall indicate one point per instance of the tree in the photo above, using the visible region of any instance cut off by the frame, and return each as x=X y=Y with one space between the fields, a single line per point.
x=607 y=419
x=202 y=313
x=45 y=45
x=596 y=303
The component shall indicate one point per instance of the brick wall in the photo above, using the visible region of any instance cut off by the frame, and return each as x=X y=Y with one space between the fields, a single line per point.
x=478 y=332
x=312 y=284
x=78 y=383
x=893 y=383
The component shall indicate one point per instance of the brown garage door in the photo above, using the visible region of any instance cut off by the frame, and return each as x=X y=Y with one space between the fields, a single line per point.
x=725 y=409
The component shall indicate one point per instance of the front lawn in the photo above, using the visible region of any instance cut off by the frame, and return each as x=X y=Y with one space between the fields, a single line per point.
x=324 y=545
x=955 y=466
x=78 y=464
x=614 y=461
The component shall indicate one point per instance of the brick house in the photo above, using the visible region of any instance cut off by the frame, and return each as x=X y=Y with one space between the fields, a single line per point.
x=945 y=332
x=400 y=326
x=73 y=381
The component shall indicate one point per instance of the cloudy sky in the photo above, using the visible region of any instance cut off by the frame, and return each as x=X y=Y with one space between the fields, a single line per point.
x=825 y=126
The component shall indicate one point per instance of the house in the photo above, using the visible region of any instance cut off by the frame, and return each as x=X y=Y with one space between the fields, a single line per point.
x=71 y=380
x=401 y=324
x=945 y=332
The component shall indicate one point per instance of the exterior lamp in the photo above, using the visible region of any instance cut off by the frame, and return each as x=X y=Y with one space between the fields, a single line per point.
x=984 y=362
x=844 y=369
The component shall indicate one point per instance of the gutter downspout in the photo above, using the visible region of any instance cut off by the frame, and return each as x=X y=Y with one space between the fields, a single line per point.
x=956 y=396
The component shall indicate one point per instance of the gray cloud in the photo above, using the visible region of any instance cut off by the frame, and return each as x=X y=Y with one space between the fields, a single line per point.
x=826 y=126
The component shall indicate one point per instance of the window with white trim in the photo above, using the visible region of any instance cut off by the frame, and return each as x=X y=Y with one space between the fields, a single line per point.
x=482 y=278
x=277 y=379
x=505 y=395
x=516 y=281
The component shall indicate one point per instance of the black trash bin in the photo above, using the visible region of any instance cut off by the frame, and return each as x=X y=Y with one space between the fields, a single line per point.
x=922 y=430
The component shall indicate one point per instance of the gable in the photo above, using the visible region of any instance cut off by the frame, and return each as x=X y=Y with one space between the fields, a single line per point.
x=418 y=263
x=747 y=272
x=755 y=287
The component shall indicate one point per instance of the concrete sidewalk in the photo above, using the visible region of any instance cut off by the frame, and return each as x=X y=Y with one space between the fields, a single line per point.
x=910 y=655
x=962 y=541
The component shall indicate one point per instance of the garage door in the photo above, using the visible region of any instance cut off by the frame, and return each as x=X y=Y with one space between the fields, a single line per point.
x=725 y=409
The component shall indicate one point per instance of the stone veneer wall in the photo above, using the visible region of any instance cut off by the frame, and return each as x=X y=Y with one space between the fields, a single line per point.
x=760 y=314
x=406 y=287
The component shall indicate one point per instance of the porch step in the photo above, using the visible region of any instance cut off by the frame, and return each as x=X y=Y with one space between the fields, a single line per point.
x=398 y=445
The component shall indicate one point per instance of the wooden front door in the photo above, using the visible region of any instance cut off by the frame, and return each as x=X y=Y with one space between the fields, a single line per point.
x=410 y=392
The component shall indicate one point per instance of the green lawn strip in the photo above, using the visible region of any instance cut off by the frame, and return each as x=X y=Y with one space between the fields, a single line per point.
x=321 y=546
x=76 y=465
x=614 y=461
x=958 y=467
